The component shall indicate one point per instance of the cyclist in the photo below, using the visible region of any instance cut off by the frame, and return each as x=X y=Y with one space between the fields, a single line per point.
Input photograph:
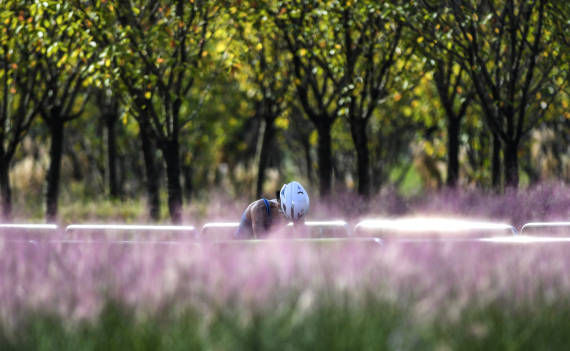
x=261 y=216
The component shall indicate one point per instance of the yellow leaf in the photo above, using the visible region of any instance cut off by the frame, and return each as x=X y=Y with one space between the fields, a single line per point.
x=497 y=30
x=220 y=47
x=314 y=137
x=469 y=36
x=475 y=17
x=397 y=97
x=147 y=95
x=259 y=46
x=420 y=40
x=303 y=52
x=205 y=53
x=538 y=96
x=282 y=122
x=428 y=148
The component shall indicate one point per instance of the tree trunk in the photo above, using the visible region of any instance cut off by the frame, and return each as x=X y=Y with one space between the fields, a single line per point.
x=496 y=162
x=360 y=139
x=110 y=122
x=308 y=159
x=172 y=158
x=452 y=151
x=324 y=156
x=151 y=173
x=264 y=154
x=54 y=171
x=378 y=164
x=5 y=190
x=511 y=164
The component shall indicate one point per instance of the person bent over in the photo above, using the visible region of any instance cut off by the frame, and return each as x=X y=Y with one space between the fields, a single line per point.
x=263 y=215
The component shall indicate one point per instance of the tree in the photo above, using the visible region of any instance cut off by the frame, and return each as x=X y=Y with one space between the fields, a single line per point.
x=109 y=108
x=300 y=26
x=64 y=66
x=372 y=39
x=344 y=56
x=19 y=74
x=265 y=73
x=506 y=49
x=455 y=98
x=156 y=48
x=298 y=139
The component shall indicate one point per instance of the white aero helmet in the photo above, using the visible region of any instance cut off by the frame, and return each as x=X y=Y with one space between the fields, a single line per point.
x=294 y=200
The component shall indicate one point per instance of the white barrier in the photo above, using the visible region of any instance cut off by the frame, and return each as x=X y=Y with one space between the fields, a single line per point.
x=320 y=242
x=430 y=228
x=309 y=229
x=325 y=228
x=526 y=239
x=218 y=230
x=26 y=232
x=129 y=232
x=547 y=228
x=28 y=226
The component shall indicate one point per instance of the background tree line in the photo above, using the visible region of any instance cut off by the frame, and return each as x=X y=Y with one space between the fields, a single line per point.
x=131 y=95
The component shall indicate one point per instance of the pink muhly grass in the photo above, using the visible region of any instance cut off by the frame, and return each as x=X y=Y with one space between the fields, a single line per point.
x=430 y=279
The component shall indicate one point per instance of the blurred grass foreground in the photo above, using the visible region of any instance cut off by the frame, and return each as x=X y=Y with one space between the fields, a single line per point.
x=285 y=296
x=293 y=295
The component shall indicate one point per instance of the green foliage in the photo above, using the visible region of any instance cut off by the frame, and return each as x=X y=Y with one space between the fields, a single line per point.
x=203 y=72
x=154 y=53
x=508 y=50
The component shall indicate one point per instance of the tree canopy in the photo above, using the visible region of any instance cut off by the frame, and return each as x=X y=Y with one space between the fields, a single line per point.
x=242 y=95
